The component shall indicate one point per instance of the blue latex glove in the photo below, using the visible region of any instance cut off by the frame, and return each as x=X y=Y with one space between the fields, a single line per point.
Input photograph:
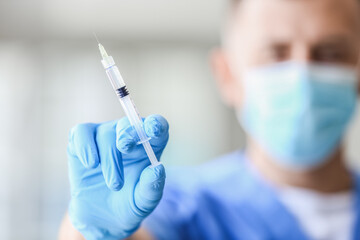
x=113 y=188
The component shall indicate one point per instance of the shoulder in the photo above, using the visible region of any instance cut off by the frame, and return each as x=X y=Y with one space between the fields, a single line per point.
x=222 y=168
x=219 y=170
x=188 y=187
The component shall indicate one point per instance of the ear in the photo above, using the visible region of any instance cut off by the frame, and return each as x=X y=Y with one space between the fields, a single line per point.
x=230 y=87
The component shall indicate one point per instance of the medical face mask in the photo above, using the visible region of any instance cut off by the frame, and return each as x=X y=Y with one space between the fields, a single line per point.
x=298 y=112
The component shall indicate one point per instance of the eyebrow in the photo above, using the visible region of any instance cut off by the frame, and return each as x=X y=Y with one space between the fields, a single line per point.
x=327 y=40
x=335 y=39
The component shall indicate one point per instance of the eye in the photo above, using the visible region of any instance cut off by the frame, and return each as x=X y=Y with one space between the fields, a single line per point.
x=331 y=54
x=279 y=53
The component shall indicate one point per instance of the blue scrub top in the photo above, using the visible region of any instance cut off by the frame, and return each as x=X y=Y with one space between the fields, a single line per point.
x=226 y=199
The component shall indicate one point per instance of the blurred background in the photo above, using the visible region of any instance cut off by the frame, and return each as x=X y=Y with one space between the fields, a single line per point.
x=51 y=78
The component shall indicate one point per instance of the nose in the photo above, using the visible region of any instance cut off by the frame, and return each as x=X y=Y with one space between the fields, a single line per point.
x=301 y=53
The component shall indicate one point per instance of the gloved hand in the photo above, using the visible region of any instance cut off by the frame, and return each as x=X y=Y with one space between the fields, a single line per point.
x=113 y=188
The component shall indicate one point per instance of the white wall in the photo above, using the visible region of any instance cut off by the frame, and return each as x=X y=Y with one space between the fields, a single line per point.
x=20 y=142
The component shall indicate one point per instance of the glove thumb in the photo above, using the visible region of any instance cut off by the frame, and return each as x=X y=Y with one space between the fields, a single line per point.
x=149 y=189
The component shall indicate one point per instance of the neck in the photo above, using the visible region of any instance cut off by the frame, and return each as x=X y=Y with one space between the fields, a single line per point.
x=331 y=177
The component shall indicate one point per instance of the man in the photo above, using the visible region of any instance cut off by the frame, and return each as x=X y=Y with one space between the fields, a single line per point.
x=289 y=69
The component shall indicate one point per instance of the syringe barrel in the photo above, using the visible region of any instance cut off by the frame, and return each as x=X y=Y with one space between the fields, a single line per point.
x=131 y=112
x=115 y=77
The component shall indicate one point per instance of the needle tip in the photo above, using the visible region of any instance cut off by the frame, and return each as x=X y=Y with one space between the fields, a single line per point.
x=96 y=37
x=101 y=47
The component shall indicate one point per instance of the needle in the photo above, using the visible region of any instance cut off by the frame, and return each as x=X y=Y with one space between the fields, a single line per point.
x=102 y=49
x=96 y=38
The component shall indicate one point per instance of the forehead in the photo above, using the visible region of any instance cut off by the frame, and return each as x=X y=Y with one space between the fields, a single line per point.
x=296 y=19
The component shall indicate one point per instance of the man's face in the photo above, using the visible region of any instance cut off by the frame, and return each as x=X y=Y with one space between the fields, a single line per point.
x=267 y=32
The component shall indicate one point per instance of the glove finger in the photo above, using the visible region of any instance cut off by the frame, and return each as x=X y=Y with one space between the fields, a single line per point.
x=82 y=144
x=157 y=128
x=126 y=136
x=149 y=189
x=127 y=139
x=110 y=157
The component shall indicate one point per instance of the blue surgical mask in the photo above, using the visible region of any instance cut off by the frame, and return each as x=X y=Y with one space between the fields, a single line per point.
x=298 y=112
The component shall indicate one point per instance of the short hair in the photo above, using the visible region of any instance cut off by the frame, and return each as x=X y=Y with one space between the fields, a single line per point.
x=235 y=2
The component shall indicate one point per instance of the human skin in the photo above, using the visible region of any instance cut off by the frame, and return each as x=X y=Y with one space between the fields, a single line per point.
x=265 y=32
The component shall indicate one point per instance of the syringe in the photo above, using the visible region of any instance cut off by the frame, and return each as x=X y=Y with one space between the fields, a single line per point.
x=128 y=105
